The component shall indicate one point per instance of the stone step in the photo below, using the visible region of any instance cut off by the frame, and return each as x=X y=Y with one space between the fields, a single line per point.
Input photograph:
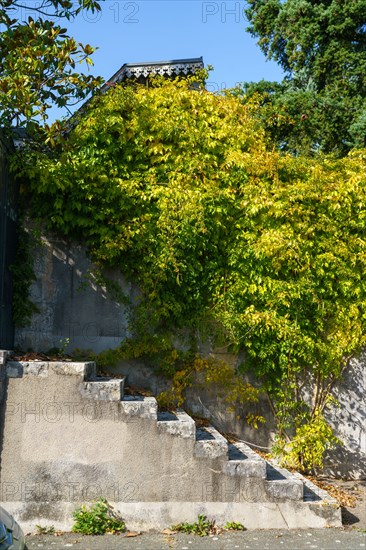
x=314 y=494
x=143 y=407
x=210 y=443
x=162 y=483
x=104 y=389
x=18 y=369
x=245 y=462
x=282 y=485
x=177 y=423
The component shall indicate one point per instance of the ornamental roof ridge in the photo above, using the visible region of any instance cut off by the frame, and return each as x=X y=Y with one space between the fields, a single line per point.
x=146 y=68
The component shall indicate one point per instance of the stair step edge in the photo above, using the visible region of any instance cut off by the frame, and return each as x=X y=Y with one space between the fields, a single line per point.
x=246 y=468
x=182 y=425
x=18 y=369
x=103 y=389
x=143 y=407
x=240 y=451
x=210 y=443
x=284 y=490
x=282 y=484
x=313 y=493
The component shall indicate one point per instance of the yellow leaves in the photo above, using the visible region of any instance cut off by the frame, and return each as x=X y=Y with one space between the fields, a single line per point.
x=254 y=420
x=87 y=49
x=275 y=242
x=216 y=374
x=306 y=450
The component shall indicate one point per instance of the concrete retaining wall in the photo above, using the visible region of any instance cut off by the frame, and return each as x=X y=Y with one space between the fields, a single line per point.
x=74 y=306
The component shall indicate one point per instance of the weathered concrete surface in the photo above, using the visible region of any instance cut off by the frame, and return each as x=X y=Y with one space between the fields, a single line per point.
x=210 y=443
x=72 y=302
x=177 y=423
x=349 y=422
x=148 y=515
x=62 y=448
x=103 y=389
x=245 y=462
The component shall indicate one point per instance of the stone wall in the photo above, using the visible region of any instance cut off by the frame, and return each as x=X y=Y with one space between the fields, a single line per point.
x=73 y=307
x=349 y=423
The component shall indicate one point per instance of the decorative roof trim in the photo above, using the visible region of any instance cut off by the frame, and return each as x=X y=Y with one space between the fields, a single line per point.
x=164 y=68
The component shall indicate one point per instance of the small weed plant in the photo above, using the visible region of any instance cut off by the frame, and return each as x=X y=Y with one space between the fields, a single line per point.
x=45 y=530
x=234 y=526
x=204 y=527
x=97 y=519
x=201 y=527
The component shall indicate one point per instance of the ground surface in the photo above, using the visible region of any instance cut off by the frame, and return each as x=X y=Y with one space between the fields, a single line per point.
x=353 y=517
x=326 y=539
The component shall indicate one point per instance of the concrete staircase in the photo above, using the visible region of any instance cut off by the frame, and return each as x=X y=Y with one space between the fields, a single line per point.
x=156 y=467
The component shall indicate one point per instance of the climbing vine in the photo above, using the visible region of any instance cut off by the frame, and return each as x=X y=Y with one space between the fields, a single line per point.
x=23 y=276
x=266 y=251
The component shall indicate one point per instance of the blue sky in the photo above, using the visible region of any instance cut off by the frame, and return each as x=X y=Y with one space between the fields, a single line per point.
x=152 y=30
x=128 y=31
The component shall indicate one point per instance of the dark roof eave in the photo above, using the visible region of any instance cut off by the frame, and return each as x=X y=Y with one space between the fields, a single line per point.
x=114 y=77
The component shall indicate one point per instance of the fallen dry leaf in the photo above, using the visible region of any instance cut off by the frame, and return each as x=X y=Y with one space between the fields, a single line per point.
x=232 y=438
x=133 y=534
x=168 y=532
x=200 y=422
x=343 y=498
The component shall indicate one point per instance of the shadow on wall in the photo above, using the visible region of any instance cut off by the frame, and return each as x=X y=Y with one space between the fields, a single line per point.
x=346 y=463
x=73 y=304
x=349 y=423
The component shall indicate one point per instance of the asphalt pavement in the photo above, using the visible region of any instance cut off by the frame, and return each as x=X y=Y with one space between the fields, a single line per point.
x=320 y=539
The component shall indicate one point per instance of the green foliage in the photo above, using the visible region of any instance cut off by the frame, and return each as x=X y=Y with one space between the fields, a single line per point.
x=80 y=354
x=38 y=60
x=184 y=369
x=306 y=449
x=222 y=235
x=322 y=39
x=202 y=527
x=300 y=120
x=234 y=526
x=208 y=372
x=60 y=351
x=158 y=349
x=23 y=276
x=321 y=45
x=97 y=519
